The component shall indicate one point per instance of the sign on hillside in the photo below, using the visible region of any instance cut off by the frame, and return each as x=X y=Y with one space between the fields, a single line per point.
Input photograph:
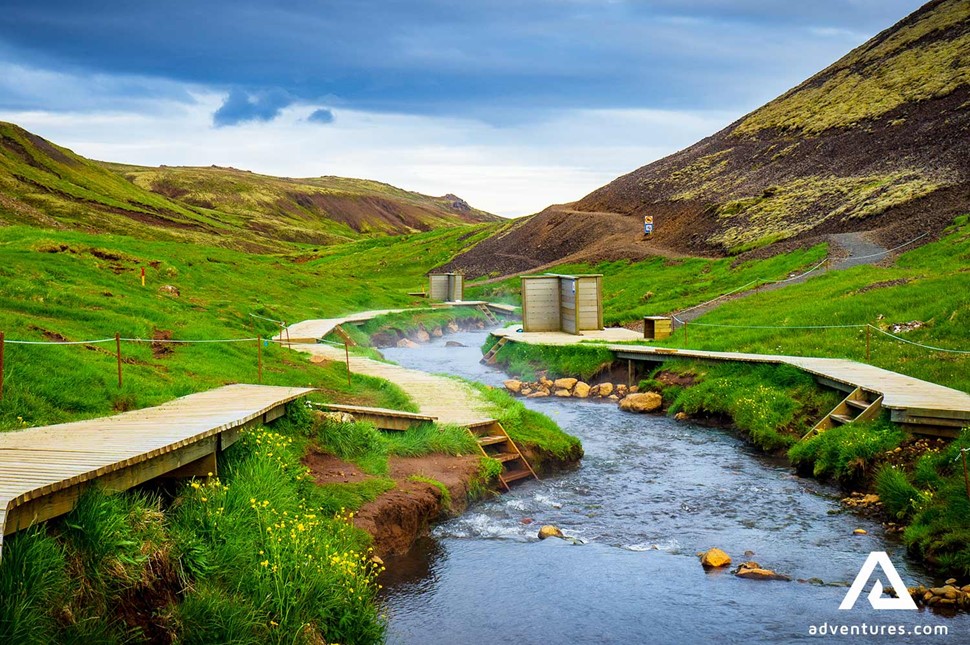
x=647 y=224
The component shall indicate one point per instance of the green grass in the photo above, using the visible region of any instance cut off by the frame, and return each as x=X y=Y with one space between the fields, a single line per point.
x=74 y=286
x=845 y=452
x=898 y=496
x=442 y=489
x=774 y=405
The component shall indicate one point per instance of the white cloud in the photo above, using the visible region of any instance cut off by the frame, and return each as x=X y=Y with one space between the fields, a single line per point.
x=512 y=171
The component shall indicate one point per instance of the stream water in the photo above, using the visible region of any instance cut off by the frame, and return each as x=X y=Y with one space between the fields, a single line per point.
x=649 y=494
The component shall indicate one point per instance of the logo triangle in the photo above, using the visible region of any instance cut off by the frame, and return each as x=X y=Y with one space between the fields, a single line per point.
x=880 y=559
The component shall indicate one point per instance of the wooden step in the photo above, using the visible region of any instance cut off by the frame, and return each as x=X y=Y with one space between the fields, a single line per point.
x=493 y=439
x=858 y=405
x=506 y=456
x=489 y=357
x=842 y=418
x=515 y=475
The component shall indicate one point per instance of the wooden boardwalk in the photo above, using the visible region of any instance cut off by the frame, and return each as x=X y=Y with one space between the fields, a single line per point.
x=44 y=470
x=310 y=331
x=911 y=401
x=447 y=399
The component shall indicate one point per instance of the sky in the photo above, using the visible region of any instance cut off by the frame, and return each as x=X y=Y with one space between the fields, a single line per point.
x=511 y=104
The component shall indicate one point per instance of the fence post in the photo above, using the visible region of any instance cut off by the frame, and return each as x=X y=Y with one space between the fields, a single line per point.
x=966 y=479
x=259 y=359
x=2 y=343
x=347 y=354
x=868 y=340
x=685 y=334
x=118 y=350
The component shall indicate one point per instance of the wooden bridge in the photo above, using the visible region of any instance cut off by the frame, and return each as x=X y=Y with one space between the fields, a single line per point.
x=921 y=406
x=44 y=470
x=310 y=331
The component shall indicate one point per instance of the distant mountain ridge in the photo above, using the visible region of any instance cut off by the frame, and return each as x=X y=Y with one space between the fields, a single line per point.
x=879 y=141
x=45 y=185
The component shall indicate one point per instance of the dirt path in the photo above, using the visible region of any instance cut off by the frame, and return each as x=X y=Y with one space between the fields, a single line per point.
x=847 y=250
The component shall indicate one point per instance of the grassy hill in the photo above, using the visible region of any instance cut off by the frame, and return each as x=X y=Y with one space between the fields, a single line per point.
x=879 y=141
x=45 y=185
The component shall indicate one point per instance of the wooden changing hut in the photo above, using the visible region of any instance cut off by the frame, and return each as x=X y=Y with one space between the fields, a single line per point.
x=568 y=303
x=446 y=287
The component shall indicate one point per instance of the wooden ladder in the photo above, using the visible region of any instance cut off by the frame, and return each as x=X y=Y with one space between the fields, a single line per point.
x=495 y=443
x=489 y=357
x=860 y=405
x=488 y=314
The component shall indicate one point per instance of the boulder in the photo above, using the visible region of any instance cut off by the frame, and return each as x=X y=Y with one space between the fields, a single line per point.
x=453 y=327
x=634 y=389
x=759 y=573
x=544 y=382
x=513 y=386
x=681 y=416
x=622 y=390
x=715 y=559
x=565 y=383
x=407 y=343
x=170 y=290
x=437 y=333
x=581 y=390
x=641 y=402
x=613 y=397
x=604 y=389
x=565 y=394
x=454 y=343
x=549 y=531
x=538 y=395
x=860 y=532
x=525 y=391
x=422 y=336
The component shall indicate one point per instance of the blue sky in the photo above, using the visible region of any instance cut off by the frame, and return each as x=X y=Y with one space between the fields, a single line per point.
x=512 y=104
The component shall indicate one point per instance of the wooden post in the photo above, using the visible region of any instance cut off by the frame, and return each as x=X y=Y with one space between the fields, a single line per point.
x=259 y=359
x=118 y=349
x=2 y=343
x=347 y=354
x=966 y=479
x=288 y=344
x=629 y=373
x=143 y=276
x=685 y=333
x=868 y=341
x=282 y=325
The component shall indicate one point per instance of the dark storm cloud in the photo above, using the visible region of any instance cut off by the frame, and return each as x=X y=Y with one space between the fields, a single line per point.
x=490 y=58
x=323 y=115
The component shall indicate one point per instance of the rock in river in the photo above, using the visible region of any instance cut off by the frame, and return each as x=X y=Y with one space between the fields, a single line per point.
x=565 y=383
x=715 y=559
x=549 y=531
x=641 y=402
x=581 y=390
x=513 y=386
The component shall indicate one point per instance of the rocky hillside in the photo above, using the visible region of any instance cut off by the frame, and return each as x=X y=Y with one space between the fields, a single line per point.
x=879 y=141
x=45 y=185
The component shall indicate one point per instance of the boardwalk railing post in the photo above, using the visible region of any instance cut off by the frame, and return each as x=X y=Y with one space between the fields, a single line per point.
x=118 y=351
x=347 y=354
x=966 y=478
x=259 y=359
x=2 y=343
x=868 y=340
x=685 y=334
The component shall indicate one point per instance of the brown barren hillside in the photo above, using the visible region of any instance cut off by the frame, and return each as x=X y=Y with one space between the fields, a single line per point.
x=879 y=141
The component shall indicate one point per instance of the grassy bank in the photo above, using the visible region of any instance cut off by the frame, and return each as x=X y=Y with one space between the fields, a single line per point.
x=259 y=554
x=525 y=361
x=75 y=287
x=384 y=329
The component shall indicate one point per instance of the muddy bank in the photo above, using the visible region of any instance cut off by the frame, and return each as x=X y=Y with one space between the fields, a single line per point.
x=401 y=515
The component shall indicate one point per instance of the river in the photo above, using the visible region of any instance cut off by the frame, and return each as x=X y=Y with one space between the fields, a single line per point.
x=649 y=494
